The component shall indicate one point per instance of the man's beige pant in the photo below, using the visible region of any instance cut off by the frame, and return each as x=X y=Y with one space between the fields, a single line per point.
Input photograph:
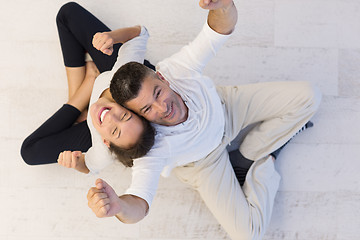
x=280 y=109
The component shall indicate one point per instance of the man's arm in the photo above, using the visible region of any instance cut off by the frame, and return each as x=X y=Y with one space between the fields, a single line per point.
x=134 y=209
x=104 y=202
x=222 y=16
x=221 y=22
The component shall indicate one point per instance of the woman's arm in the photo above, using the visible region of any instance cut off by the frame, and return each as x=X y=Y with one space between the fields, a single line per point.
x=104 y=41
x=75 y=159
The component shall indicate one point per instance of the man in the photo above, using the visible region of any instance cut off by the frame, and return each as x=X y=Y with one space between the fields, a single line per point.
x=195 y=121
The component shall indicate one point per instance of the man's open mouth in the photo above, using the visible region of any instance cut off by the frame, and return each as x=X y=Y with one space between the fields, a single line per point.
x=171 y=111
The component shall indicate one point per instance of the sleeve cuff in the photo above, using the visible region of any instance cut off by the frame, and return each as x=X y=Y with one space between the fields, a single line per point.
x=213 y=34
x=139 y=194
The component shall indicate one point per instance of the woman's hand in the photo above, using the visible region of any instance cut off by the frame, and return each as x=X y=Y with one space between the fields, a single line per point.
x=75 y=160
x=103 y=42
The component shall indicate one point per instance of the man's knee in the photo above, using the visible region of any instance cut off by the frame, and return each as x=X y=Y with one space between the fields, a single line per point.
x=246 y=234
x=312 y=96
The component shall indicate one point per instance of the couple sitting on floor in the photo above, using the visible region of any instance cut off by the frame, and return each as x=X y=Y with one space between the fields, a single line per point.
x=192 y=121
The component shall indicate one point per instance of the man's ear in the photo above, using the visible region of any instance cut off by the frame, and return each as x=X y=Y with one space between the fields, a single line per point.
x=106 y=142
x=161 y=77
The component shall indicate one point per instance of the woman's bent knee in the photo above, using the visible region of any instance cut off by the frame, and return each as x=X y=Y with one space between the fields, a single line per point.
x=29 y=153
x=66 y=9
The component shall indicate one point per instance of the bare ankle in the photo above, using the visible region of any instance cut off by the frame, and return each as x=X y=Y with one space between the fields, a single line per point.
x=92 y=71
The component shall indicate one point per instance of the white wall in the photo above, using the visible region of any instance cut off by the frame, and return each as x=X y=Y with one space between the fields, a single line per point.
x=312 y=40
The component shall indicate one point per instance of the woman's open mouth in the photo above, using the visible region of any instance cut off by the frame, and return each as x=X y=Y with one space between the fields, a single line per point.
x=102 y=114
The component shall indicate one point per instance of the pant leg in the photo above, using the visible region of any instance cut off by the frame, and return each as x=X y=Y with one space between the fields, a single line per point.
x=76 y=28
x=57 y=134
x=244 y=212
x=279 y=108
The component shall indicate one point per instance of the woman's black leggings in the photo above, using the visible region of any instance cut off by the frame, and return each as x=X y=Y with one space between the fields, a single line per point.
x=76 y=27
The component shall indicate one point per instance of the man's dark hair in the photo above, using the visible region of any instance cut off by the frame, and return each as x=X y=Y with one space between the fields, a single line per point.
x=141 y=148
x=127 y=81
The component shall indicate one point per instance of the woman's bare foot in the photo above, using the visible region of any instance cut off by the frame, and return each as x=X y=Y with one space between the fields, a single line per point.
x=92 y=71
x=82 y=117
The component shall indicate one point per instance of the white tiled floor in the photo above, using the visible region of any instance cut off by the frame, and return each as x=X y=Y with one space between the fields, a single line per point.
x=312 y=40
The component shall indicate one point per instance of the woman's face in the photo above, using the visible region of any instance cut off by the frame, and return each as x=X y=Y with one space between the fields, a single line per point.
x=115 y=123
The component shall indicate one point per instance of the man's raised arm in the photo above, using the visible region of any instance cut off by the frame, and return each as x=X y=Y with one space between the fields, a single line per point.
x=222 y=16
x=104 y=202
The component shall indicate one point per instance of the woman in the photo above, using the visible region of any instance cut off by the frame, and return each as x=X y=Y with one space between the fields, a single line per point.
x=65 y=135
